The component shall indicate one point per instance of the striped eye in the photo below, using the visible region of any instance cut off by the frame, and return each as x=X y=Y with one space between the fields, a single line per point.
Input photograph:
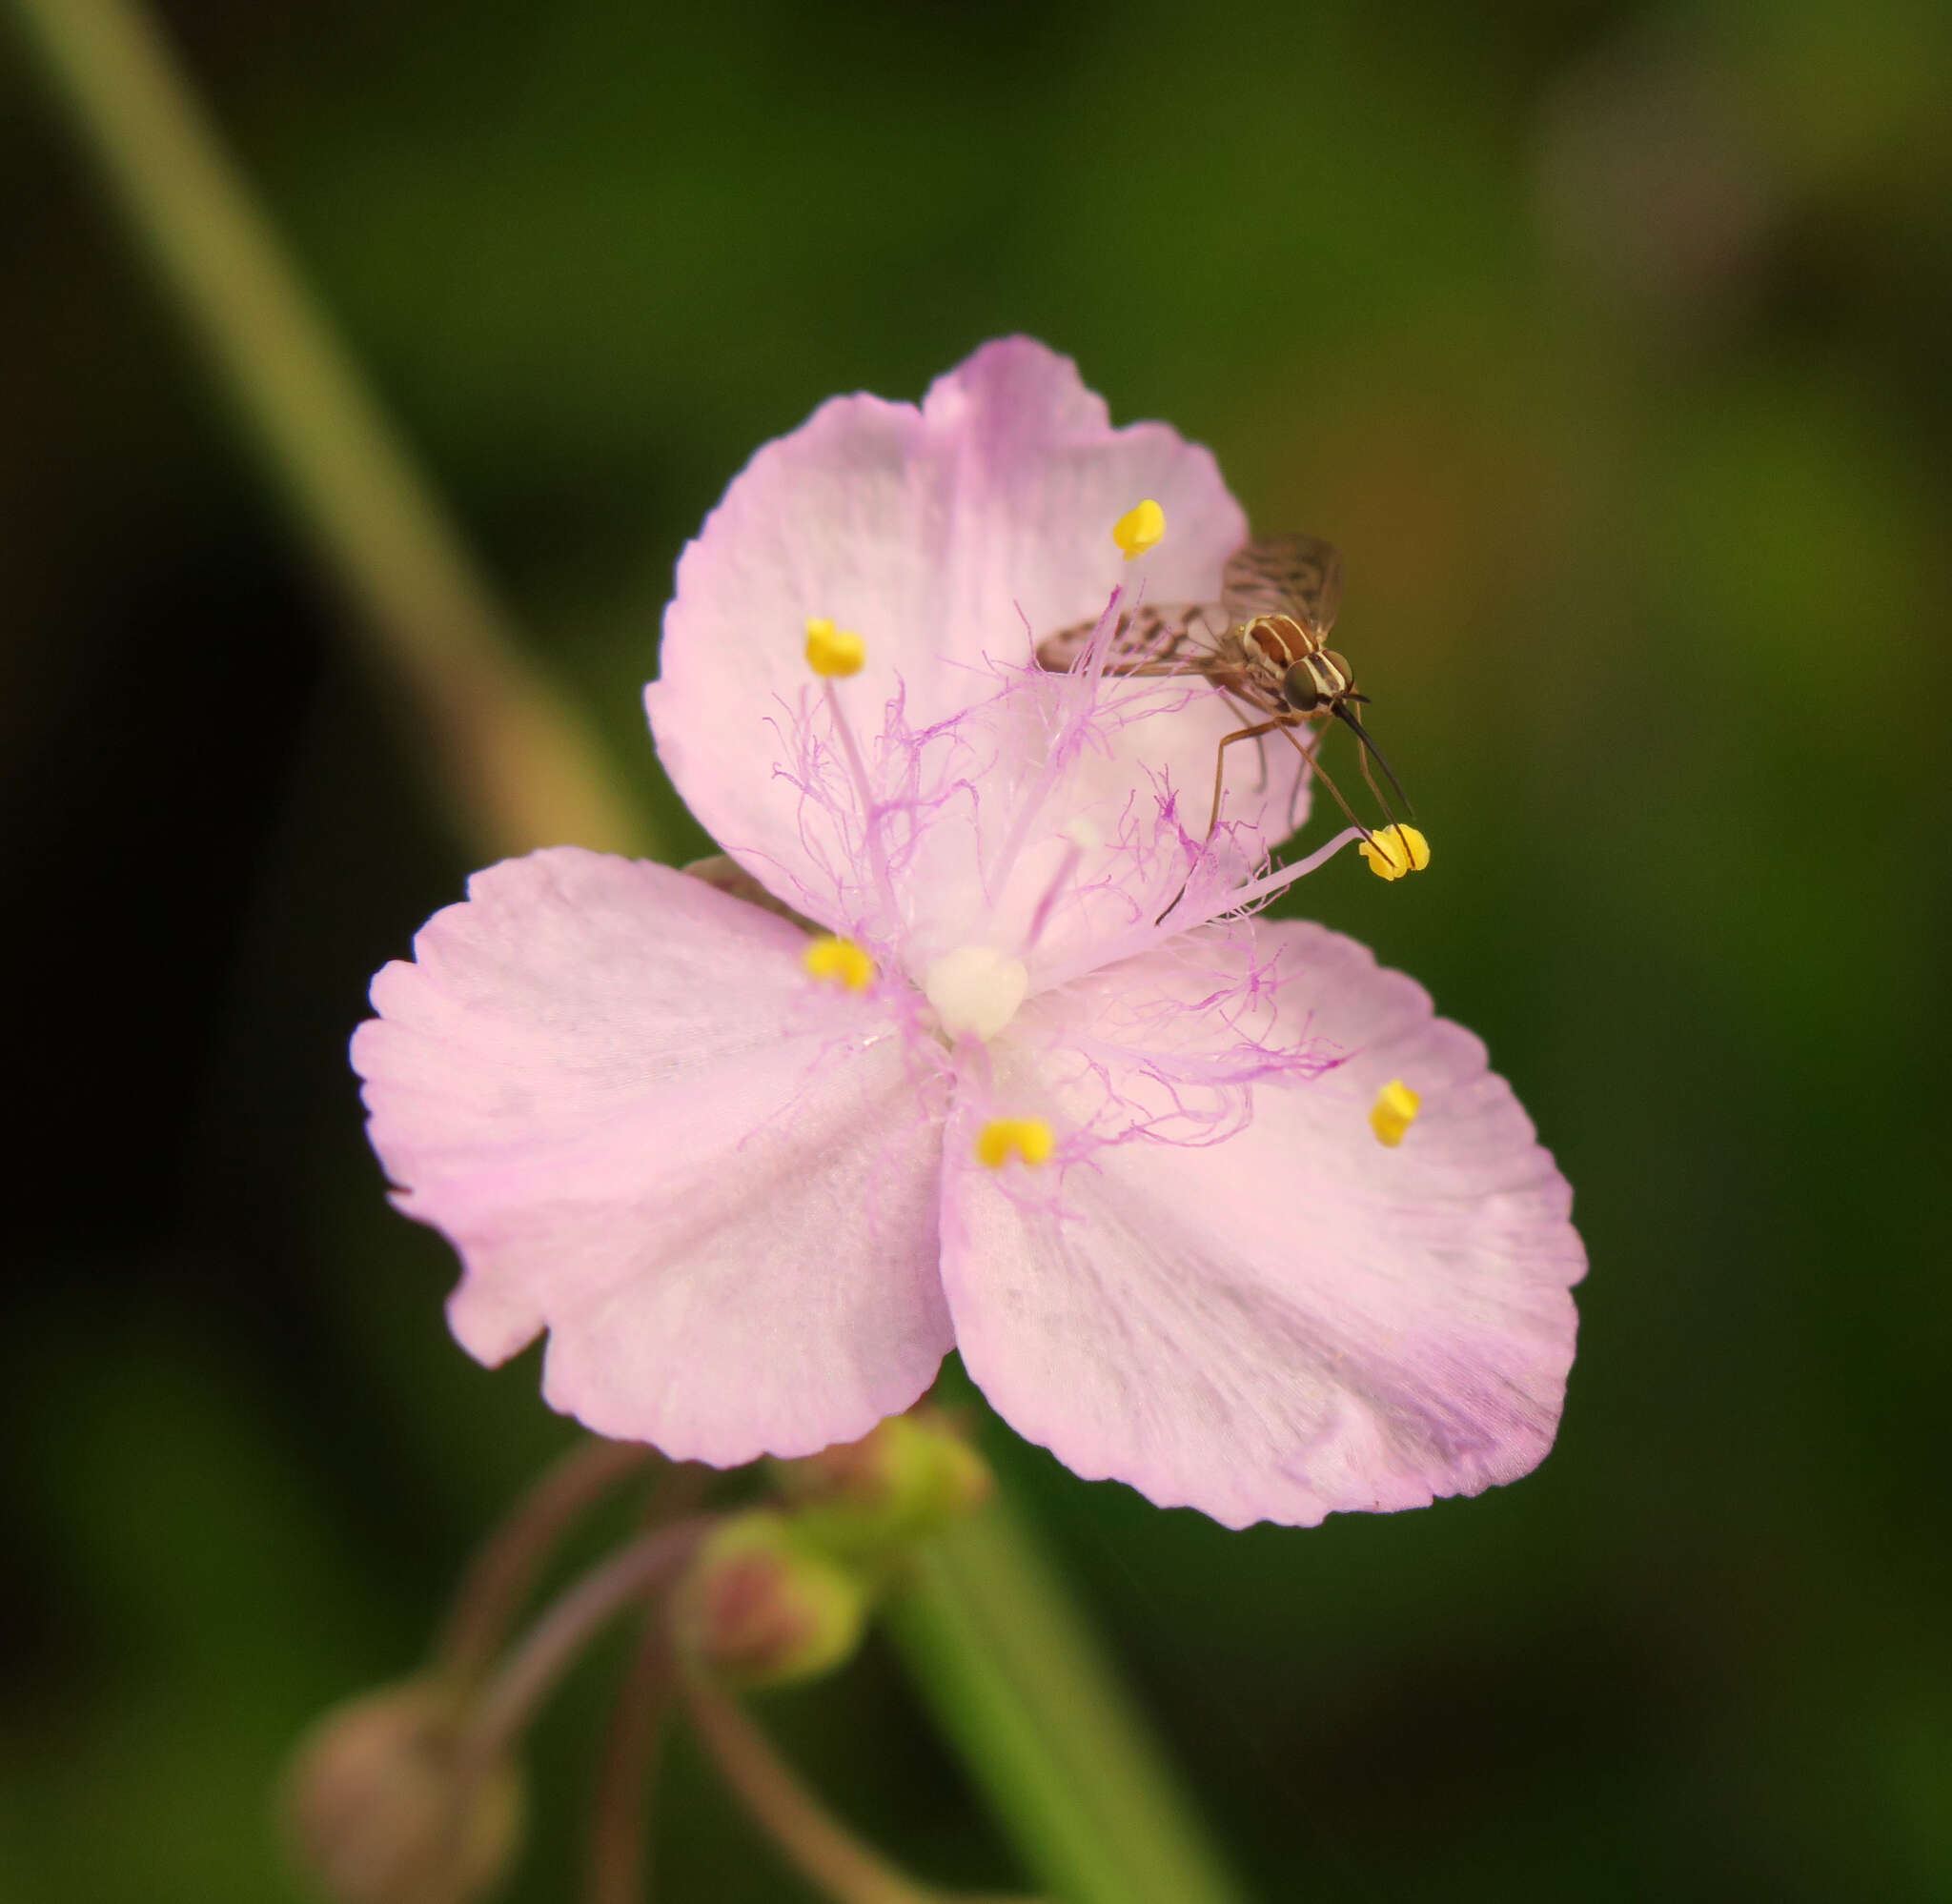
x=1334 y=672
x=1298 y=689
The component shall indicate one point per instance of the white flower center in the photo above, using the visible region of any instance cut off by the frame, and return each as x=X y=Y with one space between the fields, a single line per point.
x=975 y=989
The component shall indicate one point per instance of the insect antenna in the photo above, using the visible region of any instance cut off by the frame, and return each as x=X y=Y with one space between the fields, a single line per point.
x=1370 y=747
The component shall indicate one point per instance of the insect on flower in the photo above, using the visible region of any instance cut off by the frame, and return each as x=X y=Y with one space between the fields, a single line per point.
x=978 y=1047
x=1265 y=645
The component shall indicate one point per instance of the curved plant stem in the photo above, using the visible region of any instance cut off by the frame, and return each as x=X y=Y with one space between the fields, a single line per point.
x=495 y=1721
x=509 y=1700
x=505 y=1567
x=515 y=764
x=991 y=1639
x=1026 y=1693
x=617 y=1871
x=823 y=1851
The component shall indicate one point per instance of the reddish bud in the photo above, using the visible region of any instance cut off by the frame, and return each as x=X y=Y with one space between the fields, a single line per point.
x=369 y=1803
x=761 y=1607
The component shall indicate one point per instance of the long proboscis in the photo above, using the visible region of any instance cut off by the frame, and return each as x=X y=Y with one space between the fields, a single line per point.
x=1347 y=718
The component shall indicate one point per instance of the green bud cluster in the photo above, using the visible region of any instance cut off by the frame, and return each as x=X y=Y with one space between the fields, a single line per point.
x=782 y=1594
x=867 y=1500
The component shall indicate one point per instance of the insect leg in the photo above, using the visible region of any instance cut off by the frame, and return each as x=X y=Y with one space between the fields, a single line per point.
x=1220 y=762
x=1388 y=812
x=1308 y=753
x=1250 y=733
x=1288 y=727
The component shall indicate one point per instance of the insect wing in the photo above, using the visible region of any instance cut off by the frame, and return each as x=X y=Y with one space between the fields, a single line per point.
x=1284 y=575
x=1151 y=636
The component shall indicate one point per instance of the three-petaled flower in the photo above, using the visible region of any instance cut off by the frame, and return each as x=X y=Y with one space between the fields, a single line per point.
x=1039 y=1086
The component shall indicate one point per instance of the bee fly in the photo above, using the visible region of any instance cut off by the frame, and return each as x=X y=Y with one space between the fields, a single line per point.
x=1265 y=645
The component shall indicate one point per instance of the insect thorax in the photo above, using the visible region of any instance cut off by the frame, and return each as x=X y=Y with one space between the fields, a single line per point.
x=1277 y=641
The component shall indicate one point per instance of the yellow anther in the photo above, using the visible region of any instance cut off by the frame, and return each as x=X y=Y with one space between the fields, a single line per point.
x=1139 y=529
x=839 y=959
x=1004 y=1137
x=1393 y=1112
x=834 y=651
x=1392 y=851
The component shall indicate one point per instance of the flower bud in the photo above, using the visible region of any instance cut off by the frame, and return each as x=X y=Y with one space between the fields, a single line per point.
x=369 y=1803
x=912 y=1476
x=761 y=1607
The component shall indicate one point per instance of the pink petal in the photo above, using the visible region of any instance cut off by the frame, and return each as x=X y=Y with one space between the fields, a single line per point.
x=948 y=537
x=647 y=1129
x=1295 y=1320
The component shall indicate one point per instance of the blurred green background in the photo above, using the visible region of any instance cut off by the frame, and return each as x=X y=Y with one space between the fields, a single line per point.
x=1610 y=344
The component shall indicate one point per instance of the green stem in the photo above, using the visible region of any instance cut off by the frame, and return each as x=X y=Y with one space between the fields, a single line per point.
x=517 y=764
x=1000 y=1651
x=990 y=1636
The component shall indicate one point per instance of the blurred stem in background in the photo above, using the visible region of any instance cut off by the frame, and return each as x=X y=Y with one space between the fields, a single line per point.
x=835 y=1862
x=987 y=1631
x=1027 y=1695
x=514 y=765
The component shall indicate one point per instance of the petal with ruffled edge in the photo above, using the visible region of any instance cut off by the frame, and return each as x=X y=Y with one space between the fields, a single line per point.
x=1296 y=1321
x=949 y=536
x=713 y=1181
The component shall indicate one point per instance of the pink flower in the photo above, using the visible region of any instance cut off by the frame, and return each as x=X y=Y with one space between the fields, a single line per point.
x=1044 y=1091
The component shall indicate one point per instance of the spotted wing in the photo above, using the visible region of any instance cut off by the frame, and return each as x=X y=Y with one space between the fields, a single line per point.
x=1284 y=575
x=1155 y=637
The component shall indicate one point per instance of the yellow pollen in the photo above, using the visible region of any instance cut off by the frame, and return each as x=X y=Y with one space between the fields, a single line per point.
x=1393 y=1112
x=1004 y=1137
x=834 y=652
x=839 y=959
x=1390 y=849
x=1139 y=529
